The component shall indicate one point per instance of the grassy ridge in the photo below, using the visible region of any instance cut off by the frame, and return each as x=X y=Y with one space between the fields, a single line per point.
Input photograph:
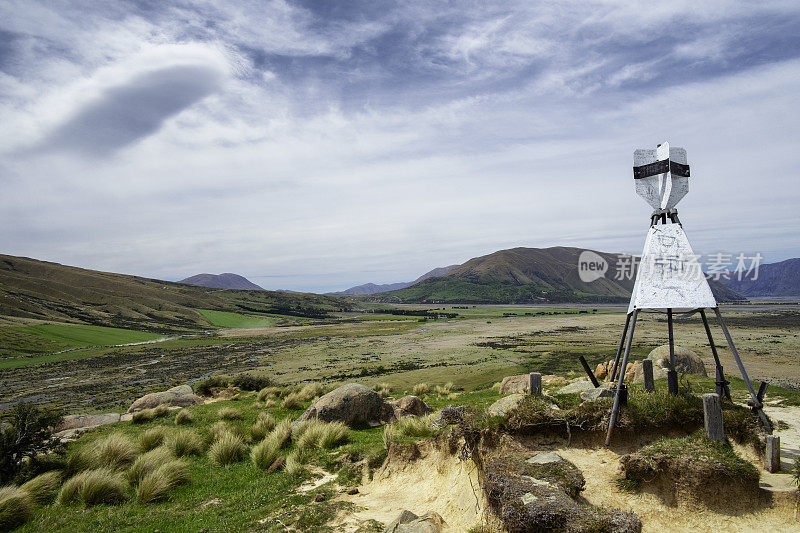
x=226 y=319
x=31 y=289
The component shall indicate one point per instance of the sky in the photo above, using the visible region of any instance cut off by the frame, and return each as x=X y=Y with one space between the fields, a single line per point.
x=317 y=145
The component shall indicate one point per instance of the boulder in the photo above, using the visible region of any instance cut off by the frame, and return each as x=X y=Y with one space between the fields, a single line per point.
x=410 y=405
x=514 y=384
x=505 y=405
x=351 y=404
x=87 y=421
x=180 y=396
x=605 y=390
x=686 y=361
x=577 y=386
x=408 y=522
x=545 y=458
x=601 y=371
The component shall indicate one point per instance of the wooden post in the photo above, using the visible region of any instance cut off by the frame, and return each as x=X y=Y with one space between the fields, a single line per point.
x=772 y=461
x=712 y=415
x=647 y=370
x=536 y=383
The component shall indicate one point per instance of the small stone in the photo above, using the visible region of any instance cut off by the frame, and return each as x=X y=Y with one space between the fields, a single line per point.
x=352 y=491
x=319 y=497
x=528 y=498
x=276 y=465
x=504 y=406
x=544 y=458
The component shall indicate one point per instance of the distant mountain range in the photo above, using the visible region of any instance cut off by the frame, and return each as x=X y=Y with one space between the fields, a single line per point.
x=525 y=275
x=774 y=280
x=222 y=281
x=372 y=288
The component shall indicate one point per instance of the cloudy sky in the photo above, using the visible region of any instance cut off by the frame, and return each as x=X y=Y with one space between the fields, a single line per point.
x=315 y=145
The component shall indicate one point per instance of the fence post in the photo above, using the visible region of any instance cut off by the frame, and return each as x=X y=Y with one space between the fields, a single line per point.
x=772 y=462
x=712 y=415
x=647 y=371
x=536 y=383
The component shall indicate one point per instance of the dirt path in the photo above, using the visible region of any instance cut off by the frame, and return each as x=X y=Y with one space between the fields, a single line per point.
x=790 y=448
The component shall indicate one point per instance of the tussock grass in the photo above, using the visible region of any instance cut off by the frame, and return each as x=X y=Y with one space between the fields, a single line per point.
x=114 y=451
x=318 y=434
x=292 y=401
x=229 y=413
x=220 y=429
x=146 y=415
x=155 y=486
x=43 y=489
x=148 y=462
x=420 y=389
x=263 y=425
x=296 y=461
x=444 y=390
x=311 y=390
x=384 y=389
x=268 y=392
x=183 y=418
x=410 y=427
x=152 y=438
x=184 y=442
x=269 y=403
x=282 y=433
x=227 y=450
x=16 y=507
x=264 y=453
x=92 y=487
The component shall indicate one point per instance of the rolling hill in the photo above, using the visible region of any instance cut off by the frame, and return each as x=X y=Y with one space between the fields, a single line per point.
x=226 y=280
x=50 y=291
x=774 y=280
x=372 y=288
x=525 y=275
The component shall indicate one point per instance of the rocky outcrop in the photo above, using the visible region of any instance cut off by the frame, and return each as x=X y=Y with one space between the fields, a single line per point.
x=87 y=421
x=578 y=386
x=686 y=360
x=605 y=390
x=352 y=404
x=541 y=493
x=410 y=405
x=515 y=384
x=180 y=396
x=505 y=405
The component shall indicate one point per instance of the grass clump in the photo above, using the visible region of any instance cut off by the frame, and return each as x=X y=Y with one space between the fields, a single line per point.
x=146 y=415
x=263 y=425
x=446 y=389
x=409 y=429
x=16 y=507
x=292 y=401
x=148 y=462
x=229 y=413
x=114 y=451
x=282 y=433
x=264 y=453
x=318 y=434
x=92 y=487
x=296 y=461
x=420 y=389
x=227 y=450
x=384 y=389
x=156 y=485
x=183 y=418
x=184 y=442
x=310 y=391
x=152 y=438
x=43 y=489
x=203 y=387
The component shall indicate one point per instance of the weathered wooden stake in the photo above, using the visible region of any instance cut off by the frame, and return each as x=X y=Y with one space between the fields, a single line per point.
x=672 y=375
x=536 y=383
x=647 y=371
x=712 y=415
x=772 y=462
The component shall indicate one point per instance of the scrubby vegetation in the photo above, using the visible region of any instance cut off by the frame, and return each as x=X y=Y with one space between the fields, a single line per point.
x=25 y=432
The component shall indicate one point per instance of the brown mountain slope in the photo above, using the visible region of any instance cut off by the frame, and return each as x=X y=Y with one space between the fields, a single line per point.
x=49 y=291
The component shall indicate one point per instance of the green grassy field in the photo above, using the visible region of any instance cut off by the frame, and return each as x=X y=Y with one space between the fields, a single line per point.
x=226 y=319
